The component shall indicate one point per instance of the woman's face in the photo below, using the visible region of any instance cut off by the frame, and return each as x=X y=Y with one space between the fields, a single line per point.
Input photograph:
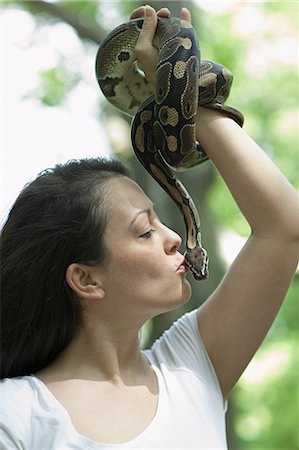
x=144 y=269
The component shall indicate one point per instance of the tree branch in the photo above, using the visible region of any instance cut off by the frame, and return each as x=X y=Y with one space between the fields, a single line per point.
x=55 y=10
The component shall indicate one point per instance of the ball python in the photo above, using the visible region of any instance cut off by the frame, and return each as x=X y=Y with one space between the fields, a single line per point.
x=163 y=128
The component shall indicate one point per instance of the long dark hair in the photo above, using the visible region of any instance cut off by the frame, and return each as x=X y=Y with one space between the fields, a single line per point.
x=57 y=220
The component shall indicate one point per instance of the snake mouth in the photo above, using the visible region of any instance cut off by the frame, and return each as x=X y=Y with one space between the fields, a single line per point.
x=198 y=275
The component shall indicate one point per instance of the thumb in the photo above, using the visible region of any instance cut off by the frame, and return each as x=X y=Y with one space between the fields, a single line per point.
x=148 y=30
x=146 y=52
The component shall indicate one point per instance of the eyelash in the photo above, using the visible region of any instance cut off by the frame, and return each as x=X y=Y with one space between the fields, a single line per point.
x=148 y=234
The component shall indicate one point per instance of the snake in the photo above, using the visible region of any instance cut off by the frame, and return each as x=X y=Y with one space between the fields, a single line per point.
x=163 y=131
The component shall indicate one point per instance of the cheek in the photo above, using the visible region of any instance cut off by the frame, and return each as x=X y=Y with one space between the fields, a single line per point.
x=145 y=278
x=126 y=265
x=139 y=262
x=144 y=268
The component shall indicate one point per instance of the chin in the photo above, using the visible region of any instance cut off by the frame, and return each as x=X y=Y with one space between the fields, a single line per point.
x=171 y=299
x=184 y=295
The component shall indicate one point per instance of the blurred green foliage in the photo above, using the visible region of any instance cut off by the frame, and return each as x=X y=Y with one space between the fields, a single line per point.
x=266 y=400
x=55 y=84
x=262 y=53
x=266 y=407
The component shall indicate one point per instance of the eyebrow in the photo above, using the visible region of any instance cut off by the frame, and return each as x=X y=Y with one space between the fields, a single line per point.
x=148 y=211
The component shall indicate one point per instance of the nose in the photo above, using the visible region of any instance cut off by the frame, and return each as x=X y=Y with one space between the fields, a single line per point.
x=172 y=241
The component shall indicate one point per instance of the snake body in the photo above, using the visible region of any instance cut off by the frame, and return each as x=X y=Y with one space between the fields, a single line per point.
x=163 y=128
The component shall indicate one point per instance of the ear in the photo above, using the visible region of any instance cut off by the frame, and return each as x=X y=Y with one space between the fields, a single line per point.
x=85 y=281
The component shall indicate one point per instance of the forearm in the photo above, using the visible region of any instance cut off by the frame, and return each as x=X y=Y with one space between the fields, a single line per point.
x=265 y=197
x=237 y=316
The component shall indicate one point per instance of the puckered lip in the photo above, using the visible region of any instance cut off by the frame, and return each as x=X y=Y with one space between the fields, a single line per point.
x=183 y=266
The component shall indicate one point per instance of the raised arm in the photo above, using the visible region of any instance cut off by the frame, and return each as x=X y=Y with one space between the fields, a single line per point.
x=235 y=319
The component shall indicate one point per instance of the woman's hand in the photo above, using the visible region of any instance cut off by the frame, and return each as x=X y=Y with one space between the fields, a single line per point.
x=147 y=53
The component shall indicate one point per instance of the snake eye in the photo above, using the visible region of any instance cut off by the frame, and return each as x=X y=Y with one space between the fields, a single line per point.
x=123 y=56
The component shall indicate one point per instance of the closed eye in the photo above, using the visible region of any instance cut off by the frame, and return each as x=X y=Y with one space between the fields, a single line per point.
x=148 y=234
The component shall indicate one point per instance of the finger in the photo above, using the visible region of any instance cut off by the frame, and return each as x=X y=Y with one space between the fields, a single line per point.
x=148 y=30
x=145 y=50
x=164 y=12
x=185 y=14
x=138 y=12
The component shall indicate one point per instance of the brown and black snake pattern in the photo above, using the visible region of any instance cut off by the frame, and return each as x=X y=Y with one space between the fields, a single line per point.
x=163 y=128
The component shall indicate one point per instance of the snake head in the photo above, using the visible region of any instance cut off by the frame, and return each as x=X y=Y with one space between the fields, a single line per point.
x=196 y=260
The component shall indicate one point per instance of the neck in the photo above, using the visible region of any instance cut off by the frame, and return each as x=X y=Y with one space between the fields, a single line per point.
x=103 y=350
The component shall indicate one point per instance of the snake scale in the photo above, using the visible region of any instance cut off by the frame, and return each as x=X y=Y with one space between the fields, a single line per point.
x=163 y=128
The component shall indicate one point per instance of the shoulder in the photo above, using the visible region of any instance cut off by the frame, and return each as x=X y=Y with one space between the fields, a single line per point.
x=27 y=411
x=31 y=417
x=17 y=400
x=16 y=392
x=180 y=355
x=182 y=333
x=15 y=385
x=181 y=345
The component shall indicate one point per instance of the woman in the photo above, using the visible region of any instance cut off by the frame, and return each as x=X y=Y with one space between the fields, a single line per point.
x=86 y=262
